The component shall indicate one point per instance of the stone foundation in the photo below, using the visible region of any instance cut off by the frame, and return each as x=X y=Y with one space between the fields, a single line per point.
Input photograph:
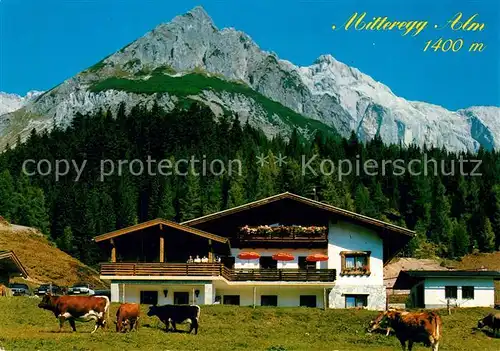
x=376 y=295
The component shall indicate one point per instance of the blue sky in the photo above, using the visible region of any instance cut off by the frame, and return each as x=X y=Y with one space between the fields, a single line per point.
x=44 y=42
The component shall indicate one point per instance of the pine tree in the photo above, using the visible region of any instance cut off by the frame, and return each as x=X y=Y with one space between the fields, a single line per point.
x=212 y=196
x=495 y=219
x=346 y=199
x=126 y=203
x=166 y=207
x=486 y=239
x=31 y=210
x=328 y=192
x=190 y=202
x=291 y=177
x=362 y=201
x=65 y=242
x=440 y=223
x=266 y=183
x=461 y=238
x=7 y=195
x=236 y=193
x=380 y=202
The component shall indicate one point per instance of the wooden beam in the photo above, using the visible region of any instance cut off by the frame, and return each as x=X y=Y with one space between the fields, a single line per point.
x=162 y=248
x=113 y=251
x=324 y=299
x=254 y=295
x=210 y=251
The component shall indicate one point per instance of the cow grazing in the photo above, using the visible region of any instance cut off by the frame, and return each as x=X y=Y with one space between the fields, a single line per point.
x=492 y=320
x=77 y=308
x=424 y=327
x=127 y=315
x=177 y=314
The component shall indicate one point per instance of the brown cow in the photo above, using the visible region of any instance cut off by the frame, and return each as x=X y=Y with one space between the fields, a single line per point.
x=424 y=327
x=127 y=315
x=492 y=320
x=79 y=308
x=3 y=290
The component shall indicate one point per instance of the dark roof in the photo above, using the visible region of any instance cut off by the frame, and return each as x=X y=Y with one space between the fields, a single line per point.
x=407 y=279
x=10 y=262
x=332 y=209
x=159 y=221
x=453 y=273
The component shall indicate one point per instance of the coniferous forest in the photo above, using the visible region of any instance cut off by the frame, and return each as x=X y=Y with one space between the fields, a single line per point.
x=452 y=214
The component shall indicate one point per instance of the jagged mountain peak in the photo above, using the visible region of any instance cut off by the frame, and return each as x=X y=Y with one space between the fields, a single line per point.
x=12 y=102
x=199 y=13
x=328 y=90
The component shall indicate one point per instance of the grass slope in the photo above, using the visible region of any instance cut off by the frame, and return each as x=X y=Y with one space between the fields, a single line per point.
x=490 y=261
x=26 y=327
x=43 y=261
x=195 y=83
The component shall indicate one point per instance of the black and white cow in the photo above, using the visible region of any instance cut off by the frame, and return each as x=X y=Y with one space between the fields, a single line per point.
x=177 y=314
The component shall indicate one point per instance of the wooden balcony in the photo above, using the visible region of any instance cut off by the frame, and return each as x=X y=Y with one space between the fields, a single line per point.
x=217 y=269
x=162 y=269
x=282 y=275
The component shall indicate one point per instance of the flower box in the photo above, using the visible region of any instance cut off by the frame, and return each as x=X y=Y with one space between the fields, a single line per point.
x=282 y=231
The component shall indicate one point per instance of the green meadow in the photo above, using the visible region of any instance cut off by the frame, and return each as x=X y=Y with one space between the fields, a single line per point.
x=23 y=326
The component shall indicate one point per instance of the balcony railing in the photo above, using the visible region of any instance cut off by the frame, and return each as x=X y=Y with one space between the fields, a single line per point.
x=168 y=269
x=285 y=275
x=217 y=269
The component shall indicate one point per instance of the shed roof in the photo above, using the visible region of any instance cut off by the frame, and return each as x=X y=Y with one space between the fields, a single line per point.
x=407 y=279
x=161 y=221
x=10 y=262
x=320 y=205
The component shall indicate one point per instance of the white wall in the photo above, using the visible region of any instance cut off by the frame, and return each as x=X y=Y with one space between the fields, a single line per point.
x=132 y=292
x=287 y=296
x=254 y=264
x=344 y=236
x=484 y=292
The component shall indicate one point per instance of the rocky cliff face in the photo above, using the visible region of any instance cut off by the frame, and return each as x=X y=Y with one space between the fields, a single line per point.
x=13 y=102
x=327 y=91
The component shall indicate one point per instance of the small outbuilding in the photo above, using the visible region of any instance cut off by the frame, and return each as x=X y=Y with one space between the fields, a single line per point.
x=438 y=289
x=10 y=266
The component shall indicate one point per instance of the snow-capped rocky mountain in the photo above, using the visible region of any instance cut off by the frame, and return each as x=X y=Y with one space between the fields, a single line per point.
x=191 y=52
x=12 y=102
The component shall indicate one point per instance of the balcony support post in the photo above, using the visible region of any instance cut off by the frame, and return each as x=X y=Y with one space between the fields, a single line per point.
x=254 y=295
x=113 y=251
x=210 y=251
x=162 y=245
x=324 y=299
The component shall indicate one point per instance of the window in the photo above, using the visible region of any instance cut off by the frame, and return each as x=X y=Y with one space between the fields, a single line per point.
x=354 y=262
x=149 y=297
x=181 y=298
x=308 y=300
x=468 y=292
x=303 y=264
x=356 y=301
x=269 y=300
x=268 y=262
x=450 y=292
x=232 y=300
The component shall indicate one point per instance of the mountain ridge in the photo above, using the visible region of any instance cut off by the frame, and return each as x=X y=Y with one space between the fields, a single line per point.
x=329 y=91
